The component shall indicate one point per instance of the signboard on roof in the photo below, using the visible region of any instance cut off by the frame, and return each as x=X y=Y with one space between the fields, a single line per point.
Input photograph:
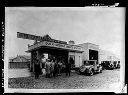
x=38 y=38
x=28 y=36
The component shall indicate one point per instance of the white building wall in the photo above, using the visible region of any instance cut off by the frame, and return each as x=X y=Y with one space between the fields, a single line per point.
x=86 y=47
x=78 y=59
x=85 y=54
x=71 y=53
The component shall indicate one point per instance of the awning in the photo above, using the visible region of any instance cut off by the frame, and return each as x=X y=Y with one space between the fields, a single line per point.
x=55 y=45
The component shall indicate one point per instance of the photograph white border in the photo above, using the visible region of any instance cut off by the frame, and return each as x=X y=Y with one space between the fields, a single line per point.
x=10 y=90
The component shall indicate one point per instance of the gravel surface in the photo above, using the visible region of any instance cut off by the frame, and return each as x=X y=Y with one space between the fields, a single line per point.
x=17 y=73
x=106 y=79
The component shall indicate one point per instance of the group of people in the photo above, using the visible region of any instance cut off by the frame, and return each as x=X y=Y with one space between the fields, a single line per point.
x=53 y=68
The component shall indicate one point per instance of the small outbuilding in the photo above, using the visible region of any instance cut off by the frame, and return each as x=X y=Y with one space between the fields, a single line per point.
x=19 y=62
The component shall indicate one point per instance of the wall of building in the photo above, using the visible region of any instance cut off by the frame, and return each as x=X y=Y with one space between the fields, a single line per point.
x=86 y=47
x=78 y=58
x=71 y=53
x=85 y=54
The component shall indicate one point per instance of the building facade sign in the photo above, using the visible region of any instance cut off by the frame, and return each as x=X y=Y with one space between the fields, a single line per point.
x=57 y=45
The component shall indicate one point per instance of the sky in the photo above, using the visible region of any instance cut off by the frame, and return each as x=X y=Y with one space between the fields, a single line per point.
x=101 y=26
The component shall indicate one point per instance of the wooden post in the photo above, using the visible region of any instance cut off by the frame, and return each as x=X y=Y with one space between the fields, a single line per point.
x=39 y=57
x=31 y=62
x=98 y=61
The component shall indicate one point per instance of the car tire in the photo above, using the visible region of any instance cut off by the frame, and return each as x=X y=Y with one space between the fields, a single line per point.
x=91 y=72
x=78 y=72
x=101 y=71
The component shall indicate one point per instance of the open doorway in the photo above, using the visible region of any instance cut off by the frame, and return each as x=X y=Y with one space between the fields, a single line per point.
x=54 y=54
x=72 y=60
x=93 y=55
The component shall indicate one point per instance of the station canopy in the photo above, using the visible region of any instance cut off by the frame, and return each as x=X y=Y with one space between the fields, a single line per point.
x=47 y=42
x=56 y=44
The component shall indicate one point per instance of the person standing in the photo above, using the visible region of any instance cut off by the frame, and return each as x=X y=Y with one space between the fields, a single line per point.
x=55 y=69
x=47 y=69
x=68 y=68
x=59 y=68
x=51 y=68
x=37 y=69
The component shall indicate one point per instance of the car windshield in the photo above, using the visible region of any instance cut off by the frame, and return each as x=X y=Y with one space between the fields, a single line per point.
x=89 y=63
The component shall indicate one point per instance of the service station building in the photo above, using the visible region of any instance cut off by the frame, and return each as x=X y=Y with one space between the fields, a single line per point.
x=60 y=50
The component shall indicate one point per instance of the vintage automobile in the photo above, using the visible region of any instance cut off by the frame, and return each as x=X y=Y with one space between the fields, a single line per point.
x=109 y=65
x=116 y=64
x=90 y=67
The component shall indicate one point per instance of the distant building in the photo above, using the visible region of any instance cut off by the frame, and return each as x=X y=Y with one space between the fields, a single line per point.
x=107 y=56
x=19 y=61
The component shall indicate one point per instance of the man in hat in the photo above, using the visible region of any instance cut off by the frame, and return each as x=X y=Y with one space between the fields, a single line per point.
x=68 y=68
x=37 y=69
x=59 y=68
x=55 y=69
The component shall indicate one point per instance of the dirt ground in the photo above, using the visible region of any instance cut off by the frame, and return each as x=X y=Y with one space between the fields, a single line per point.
x=108 y=79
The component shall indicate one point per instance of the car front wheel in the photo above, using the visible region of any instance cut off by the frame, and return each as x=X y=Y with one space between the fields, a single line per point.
x=100 y=70
x=91 y=72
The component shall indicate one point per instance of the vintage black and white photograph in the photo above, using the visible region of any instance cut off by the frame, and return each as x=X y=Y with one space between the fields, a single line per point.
x=56 y=49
